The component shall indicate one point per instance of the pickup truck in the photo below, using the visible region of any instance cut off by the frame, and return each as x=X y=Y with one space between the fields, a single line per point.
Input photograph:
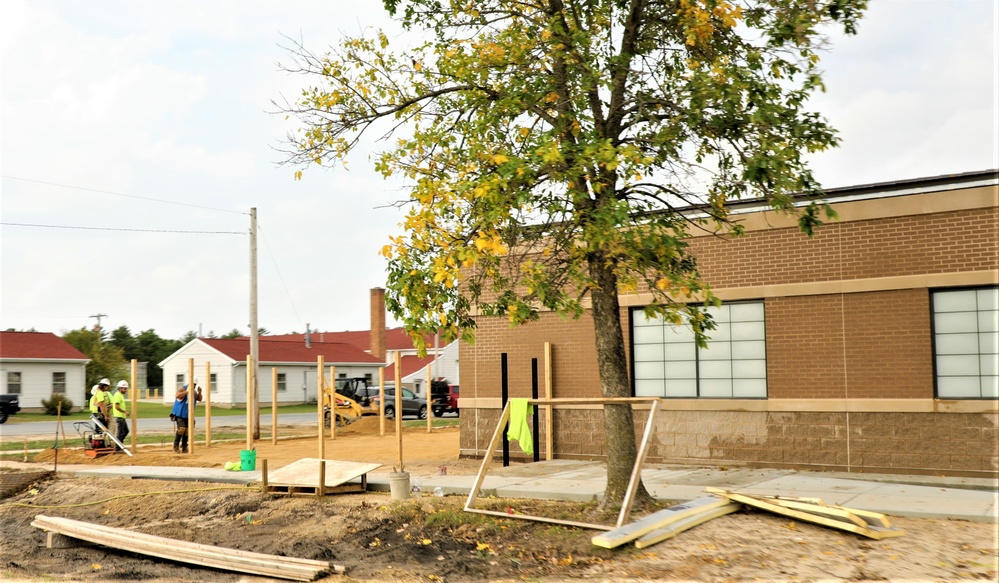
x=444 y=398
x=8 y=406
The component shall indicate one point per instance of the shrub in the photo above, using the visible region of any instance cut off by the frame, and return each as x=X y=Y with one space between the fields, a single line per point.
x=56 y=404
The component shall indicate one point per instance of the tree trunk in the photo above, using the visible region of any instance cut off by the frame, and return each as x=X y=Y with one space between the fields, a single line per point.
x=613 y=368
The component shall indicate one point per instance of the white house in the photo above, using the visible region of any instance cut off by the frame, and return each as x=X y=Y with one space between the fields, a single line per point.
x=441 y=358
x=37 y=365
x=294 y=361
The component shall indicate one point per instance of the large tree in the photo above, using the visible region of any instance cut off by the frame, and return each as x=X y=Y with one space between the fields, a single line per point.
x=551 y=143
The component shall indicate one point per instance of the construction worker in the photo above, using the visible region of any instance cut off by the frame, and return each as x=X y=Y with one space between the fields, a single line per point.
x=179 y=415
x=119 y=413
x=100 y=403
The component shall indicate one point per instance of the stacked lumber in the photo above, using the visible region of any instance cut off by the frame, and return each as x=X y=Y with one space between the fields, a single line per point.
x=862 y=522
x=666 y=523
x=188 y=552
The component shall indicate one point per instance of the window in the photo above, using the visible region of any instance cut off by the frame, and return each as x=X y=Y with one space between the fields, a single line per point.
x=14 y=383
x=59 y=383
x=667 y=362
x=966 y=343
x=213 y=383
x=282 y=383
x=180 y=381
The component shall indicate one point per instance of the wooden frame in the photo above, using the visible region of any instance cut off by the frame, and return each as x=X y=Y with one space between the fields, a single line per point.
x=636 y=472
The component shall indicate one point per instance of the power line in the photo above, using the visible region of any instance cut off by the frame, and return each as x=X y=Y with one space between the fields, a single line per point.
x=280 y=278
x=120 y=194
x=121 y=229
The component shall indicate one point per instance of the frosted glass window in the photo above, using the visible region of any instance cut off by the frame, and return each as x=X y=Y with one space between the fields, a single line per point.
x=647 y=352
x=966 y=343
x=733 y=365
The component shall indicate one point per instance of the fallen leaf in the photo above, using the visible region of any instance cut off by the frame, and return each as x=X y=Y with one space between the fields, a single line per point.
x=426 y=541
x=96 y=567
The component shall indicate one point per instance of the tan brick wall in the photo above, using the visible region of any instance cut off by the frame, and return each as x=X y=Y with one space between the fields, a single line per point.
x=835 y=346
x=956 y=241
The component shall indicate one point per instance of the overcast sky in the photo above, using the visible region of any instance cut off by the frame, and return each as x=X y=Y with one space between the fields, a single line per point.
x=110 y=108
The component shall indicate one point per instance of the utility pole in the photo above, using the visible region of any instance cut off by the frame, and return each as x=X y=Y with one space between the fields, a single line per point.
x=100 y=331
x=254 y=341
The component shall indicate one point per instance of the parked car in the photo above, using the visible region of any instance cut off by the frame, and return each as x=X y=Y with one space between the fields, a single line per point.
x=443 y=398
x=411 y=404
x=9 y=405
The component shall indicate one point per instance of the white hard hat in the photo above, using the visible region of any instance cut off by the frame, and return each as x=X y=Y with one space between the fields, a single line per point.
x=123 y=384
x=105 y=381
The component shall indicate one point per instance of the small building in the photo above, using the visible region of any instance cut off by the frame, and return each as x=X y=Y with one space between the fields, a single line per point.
x=872 y=346
x=38 y=365
x=441 y=358
x=294 y=361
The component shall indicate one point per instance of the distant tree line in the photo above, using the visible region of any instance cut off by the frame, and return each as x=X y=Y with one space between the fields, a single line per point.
x=110 y=353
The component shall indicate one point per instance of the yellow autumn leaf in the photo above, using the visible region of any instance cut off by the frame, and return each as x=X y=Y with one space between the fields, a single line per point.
x=426 y=541
x=500 y=159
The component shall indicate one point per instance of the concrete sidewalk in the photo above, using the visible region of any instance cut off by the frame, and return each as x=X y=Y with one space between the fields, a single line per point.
x=973 y=499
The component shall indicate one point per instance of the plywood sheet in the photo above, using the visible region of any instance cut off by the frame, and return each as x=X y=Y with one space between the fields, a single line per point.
x=687 y=523
x=305 y=472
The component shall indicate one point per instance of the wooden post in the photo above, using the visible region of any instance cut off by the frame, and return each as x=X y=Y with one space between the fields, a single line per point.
x=263 y=475
x=381 y=401
x=321 y=490
x=398 y=408
x=249 y=404
x=208 y=404
x=549 y=415
x=134 y=400
x=190 y=405
x=430 y=416
x=333 y=411
x=320 y=368
x=274 y=405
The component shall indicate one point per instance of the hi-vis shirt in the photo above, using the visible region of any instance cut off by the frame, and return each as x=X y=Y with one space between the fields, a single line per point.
x=96 y=398
x=117 y=399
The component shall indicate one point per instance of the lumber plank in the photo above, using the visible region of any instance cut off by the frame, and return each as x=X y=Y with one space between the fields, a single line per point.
x=181 y=551
x=855 y=515
x=876 y=533
x=656 y=520
x=661 y=534
x=68 y=524
x=219 y=559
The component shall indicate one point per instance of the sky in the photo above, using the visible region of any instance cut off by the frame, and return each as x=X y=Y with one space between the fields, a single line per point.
x=149 y=128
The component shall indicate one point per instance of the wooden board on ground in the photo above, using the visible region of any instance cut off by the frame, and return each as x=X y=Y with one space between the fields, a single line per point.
x=687 y=523
x=302 y=477
x=656 y=520
x=188 y=552
x=831 y=516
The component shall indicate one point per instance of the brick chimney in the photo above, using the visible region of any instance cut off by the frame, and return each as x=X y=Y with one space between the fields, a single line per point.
x=378 y=323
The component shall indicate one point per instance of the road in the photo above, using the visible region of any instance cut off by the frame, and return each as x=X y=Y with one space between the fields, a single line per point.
x=156 y=425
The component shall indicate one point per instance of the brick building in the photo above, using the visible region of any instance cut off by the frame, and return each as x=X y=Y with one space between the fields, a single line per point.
x=869 y=347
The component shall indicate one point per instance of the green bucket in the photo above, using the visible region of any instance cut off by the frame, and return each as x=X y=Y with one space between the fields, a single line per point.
x=248 y=460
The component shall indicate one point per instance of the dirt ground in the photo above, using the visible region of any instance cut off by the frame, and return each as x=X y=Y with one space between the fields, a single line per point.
x=432 y=539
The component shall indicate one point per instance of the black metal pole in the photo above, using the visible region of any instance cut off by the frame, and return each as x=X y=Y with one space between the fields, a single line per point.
x=504 y=397
x=534 y=395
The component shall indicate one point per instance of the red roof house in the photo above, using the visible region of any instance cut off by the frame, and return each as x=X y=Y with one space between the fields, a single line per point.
x=37 y=365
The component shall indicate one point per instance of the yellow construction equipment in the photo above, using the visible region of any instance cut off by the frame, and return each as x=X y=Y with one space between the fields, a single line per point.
x=347 y=409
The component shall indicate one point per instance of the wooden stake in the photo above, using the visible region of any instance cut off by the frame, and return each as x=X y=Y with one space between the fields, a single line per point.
x=321 y=490
x=381 y=401
x=208 y=404
x=190 y=405
x=430 y=417
x=134 y=394
x=549 y=412
x=274 y=411
x=398 y=407
x=263 y=475
x=249 y=404
x=333 y=405
x=320 y=397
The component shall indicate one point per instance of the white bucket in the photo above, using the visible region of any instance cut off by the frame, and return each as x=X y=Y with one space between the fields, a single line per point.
x=399 y=485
